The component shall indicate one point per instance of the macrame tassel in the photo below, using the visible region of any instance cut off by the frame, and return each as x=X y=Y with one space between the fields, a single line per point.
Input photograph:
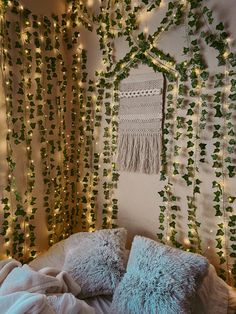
x=140 y=123
x=139 y=153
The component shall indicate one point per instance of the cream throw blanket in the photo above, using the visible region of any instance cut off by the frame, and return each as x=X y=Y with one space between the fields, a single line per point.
x=140 y=123
x=48 y=291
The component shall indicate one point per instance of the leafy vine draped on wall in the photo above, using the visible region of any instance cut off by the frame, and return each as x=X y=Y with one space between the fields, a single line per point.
x=199 y=127
x=56 y=120
x=47 y=150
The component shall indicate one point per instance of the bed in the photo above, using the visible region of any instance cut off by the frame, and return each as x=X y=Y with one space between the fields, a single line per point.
x=93 y=273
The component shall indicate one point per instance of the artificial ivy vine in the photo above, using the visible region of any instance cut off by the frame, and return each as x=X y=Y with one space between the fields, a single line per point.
x=69 y=118
x=45 y=135
x=192 y=102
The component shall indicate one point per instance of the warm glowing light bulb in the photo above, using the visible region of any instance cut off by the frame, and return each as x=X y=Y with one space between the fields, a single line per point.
x=227 y=89
x=90 y=3
x=197 y=71
x=186 y=241
x=226 y=54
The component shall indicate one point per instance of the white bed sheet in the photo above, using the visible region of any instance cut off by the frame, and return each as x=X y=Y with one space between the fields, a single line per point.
x=214 y=295
x=101 y=304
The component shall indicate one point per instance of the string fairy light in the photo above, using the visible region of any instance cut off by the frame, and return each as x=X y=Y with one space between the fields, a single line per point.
x=165 y=211
x=124 y=67
x=26 y=29
x=222 y=185
x=108 y=68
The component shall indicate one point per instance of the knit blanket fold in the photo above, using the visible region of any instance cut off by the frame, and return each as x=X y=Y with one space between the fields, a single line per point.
x=140 y=124
x=48 y=291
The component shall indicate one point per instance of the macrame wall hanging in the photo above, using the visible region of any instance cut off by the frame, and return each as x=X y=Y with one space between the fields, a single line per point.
x=140 y=124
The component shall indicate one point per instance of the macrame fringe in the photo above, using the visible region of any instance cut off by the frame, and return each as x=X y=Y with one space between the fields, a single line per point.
x=139 y=153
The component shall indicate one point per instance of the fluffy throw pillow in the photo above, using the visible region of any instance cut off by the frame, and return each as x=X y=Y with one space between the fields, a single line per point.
x=159 y=279
x=96 y=260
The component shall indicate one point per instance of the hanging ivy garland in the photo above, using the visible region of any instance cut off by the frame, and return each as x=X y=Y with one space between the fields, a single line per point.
x=37 y=47
x=189 y=103
x=190 y=99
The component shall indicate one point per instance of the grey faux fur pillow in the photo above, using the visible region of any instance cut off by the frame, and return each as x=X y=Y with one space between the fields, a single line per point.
x=96 y=260
x=159 y=279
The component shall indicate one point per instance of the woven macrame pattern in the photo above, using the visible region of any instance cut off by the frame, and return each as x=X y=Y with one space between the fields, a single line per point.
x=140 y=122
x=137 y=93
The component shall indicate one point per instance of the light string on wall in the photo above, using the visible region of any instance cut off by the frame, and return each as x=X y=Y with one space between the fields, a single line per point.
x=108 y=186
x=220 y=225
x=30 y=199
x=193 y=109
x=222 y=231
x=122 y=67
x=121 y=70
x=87 y=211
x=203 y=75
x=14 y=211
x=193 y=135
x=8 y=200
x=75 y=65
x=38 y=47
x=221 y=156
x=169 y=208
